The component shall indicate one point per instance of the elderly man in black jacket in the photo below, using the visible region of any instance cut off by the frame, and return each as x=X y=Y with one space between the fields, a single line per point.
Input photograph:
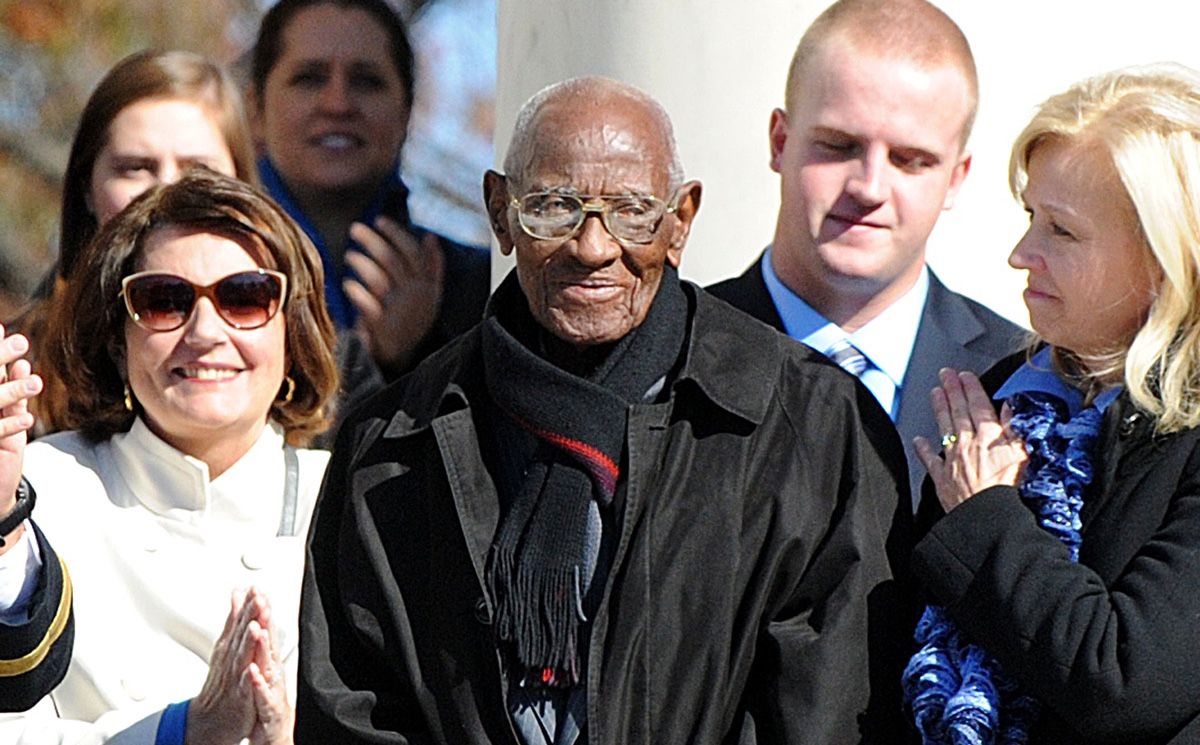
x=617 y=511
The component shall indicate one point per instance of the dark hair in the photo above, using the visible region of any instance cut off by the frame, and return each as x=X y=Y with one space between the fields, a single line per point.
x=148 y=74
x=85 y=333
x=269 y=46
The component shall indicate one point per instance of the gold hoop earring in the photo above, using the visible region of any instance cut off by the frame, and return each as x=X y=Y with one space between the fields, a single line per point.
x=128 y=398
x=291 y=389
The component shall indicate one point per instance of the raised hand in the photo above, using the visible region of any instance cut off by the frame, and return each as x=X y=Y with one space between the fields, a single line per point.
x=18 y=385
x=979 y=448
x=398 y=291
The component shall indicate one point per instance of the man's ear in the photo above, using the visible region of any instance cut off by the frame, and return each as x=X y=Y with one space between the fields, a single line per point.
x=957 y=177
x=495 y=201
x=778 y=135
x=687 y=204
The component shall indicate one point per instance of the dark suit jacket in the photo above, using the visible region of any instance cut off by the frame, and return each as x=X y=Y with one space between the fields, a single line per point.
x=34 y=655
x=955 y=332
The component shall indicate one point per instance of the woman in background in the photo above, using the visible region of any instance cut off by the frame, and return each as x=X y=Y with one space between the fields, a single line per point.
x=332 y=84
x=1069 y=551
x=153 y=115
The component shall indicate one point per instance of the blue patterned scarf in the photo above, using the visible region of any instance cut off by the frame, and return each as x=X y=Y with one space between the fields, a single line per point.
x=958 y=693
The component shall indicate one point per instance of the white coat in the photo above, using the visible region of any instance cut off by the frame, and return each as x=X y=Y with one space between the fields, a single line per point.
x=155 y=549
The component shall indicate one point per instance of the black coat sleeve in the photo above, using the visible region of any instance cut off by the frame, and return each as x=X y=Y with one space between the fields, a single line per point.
x=829 y=660
x=34 y=655
x=1116 y=660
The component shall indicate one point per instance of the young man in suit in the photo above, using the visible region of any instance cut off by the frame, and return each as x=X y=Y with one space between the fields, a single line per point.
x=870 y=149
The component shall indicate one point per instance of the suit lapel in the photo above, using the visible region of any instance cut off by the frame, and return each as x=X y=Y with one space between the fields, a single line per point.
x=948 y=325
x=749 y=294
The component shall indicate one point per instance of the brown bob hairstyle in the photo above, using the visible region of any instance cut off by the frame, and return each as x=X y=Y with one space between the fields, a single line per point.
x=85 y=332
x=140 y=76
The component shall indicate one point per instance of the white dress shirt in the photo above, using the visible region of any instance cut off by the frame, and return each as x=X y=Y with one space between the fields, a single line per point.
x=886 y=340
x=19 y=568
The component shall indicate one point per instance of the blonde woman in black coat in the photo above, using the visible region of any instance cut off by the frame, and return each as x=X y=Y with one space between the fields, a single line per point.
x=1065 y=572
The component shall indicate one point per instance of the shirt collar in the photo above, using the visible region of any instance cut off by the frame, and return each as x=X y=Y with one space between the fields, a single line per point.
x=177 y=486
x=886 y=340
x=1038 y=376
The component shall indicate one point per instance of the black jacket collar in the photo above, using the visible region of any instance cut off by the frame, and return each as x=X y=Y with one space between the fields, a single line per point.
x=449 y=380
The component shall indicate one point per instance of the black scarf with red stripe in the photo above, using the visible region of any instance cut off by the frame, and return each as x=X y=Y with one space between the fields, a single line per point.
x=536 y=570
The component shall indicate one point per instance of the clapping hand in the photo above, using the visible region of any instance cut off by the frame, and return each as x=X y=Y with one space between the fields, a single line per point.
x=398 y=291
x=979 y=448
x=18 y=385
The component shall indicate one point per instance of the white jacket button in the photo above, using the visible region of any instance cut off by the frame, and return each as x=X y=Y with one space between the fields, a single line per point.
x=254 y=559
x=133 y=689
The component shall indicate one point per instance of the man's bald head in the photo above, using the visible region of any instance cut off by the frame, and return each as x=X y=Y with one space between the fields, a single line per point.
x=593 y=207
x=579 y=95
x=912 y=30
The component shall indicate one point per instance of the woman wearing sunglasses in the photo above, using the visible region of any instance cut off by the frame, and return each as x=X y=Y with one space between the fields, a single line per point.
x=196 y=358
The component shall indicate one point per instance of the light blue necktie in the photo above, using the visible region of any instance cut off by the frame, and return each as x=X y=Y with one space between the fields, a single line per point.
x=847 y=355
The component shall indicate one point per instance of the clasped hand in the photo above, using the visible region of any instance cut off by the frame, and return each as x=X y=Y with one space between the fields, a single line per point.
x=244 y=695
x=980 y=449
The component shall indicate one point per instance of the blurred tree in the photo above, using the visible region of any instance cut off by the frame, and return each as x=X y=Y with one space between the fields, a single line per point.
x=52 y=53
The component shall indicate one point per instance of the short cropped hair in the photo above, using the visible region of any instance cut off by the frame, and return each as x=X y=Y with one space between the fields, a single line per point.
x=912 y=30
x=1147 y=120
x=590 y=88
x=85 y=333
x=138 y=77
x=269 y=46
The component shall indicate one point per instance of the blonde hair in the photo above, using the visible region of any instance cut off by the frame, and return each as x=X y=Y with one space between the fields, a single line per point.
x=1147 y=120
